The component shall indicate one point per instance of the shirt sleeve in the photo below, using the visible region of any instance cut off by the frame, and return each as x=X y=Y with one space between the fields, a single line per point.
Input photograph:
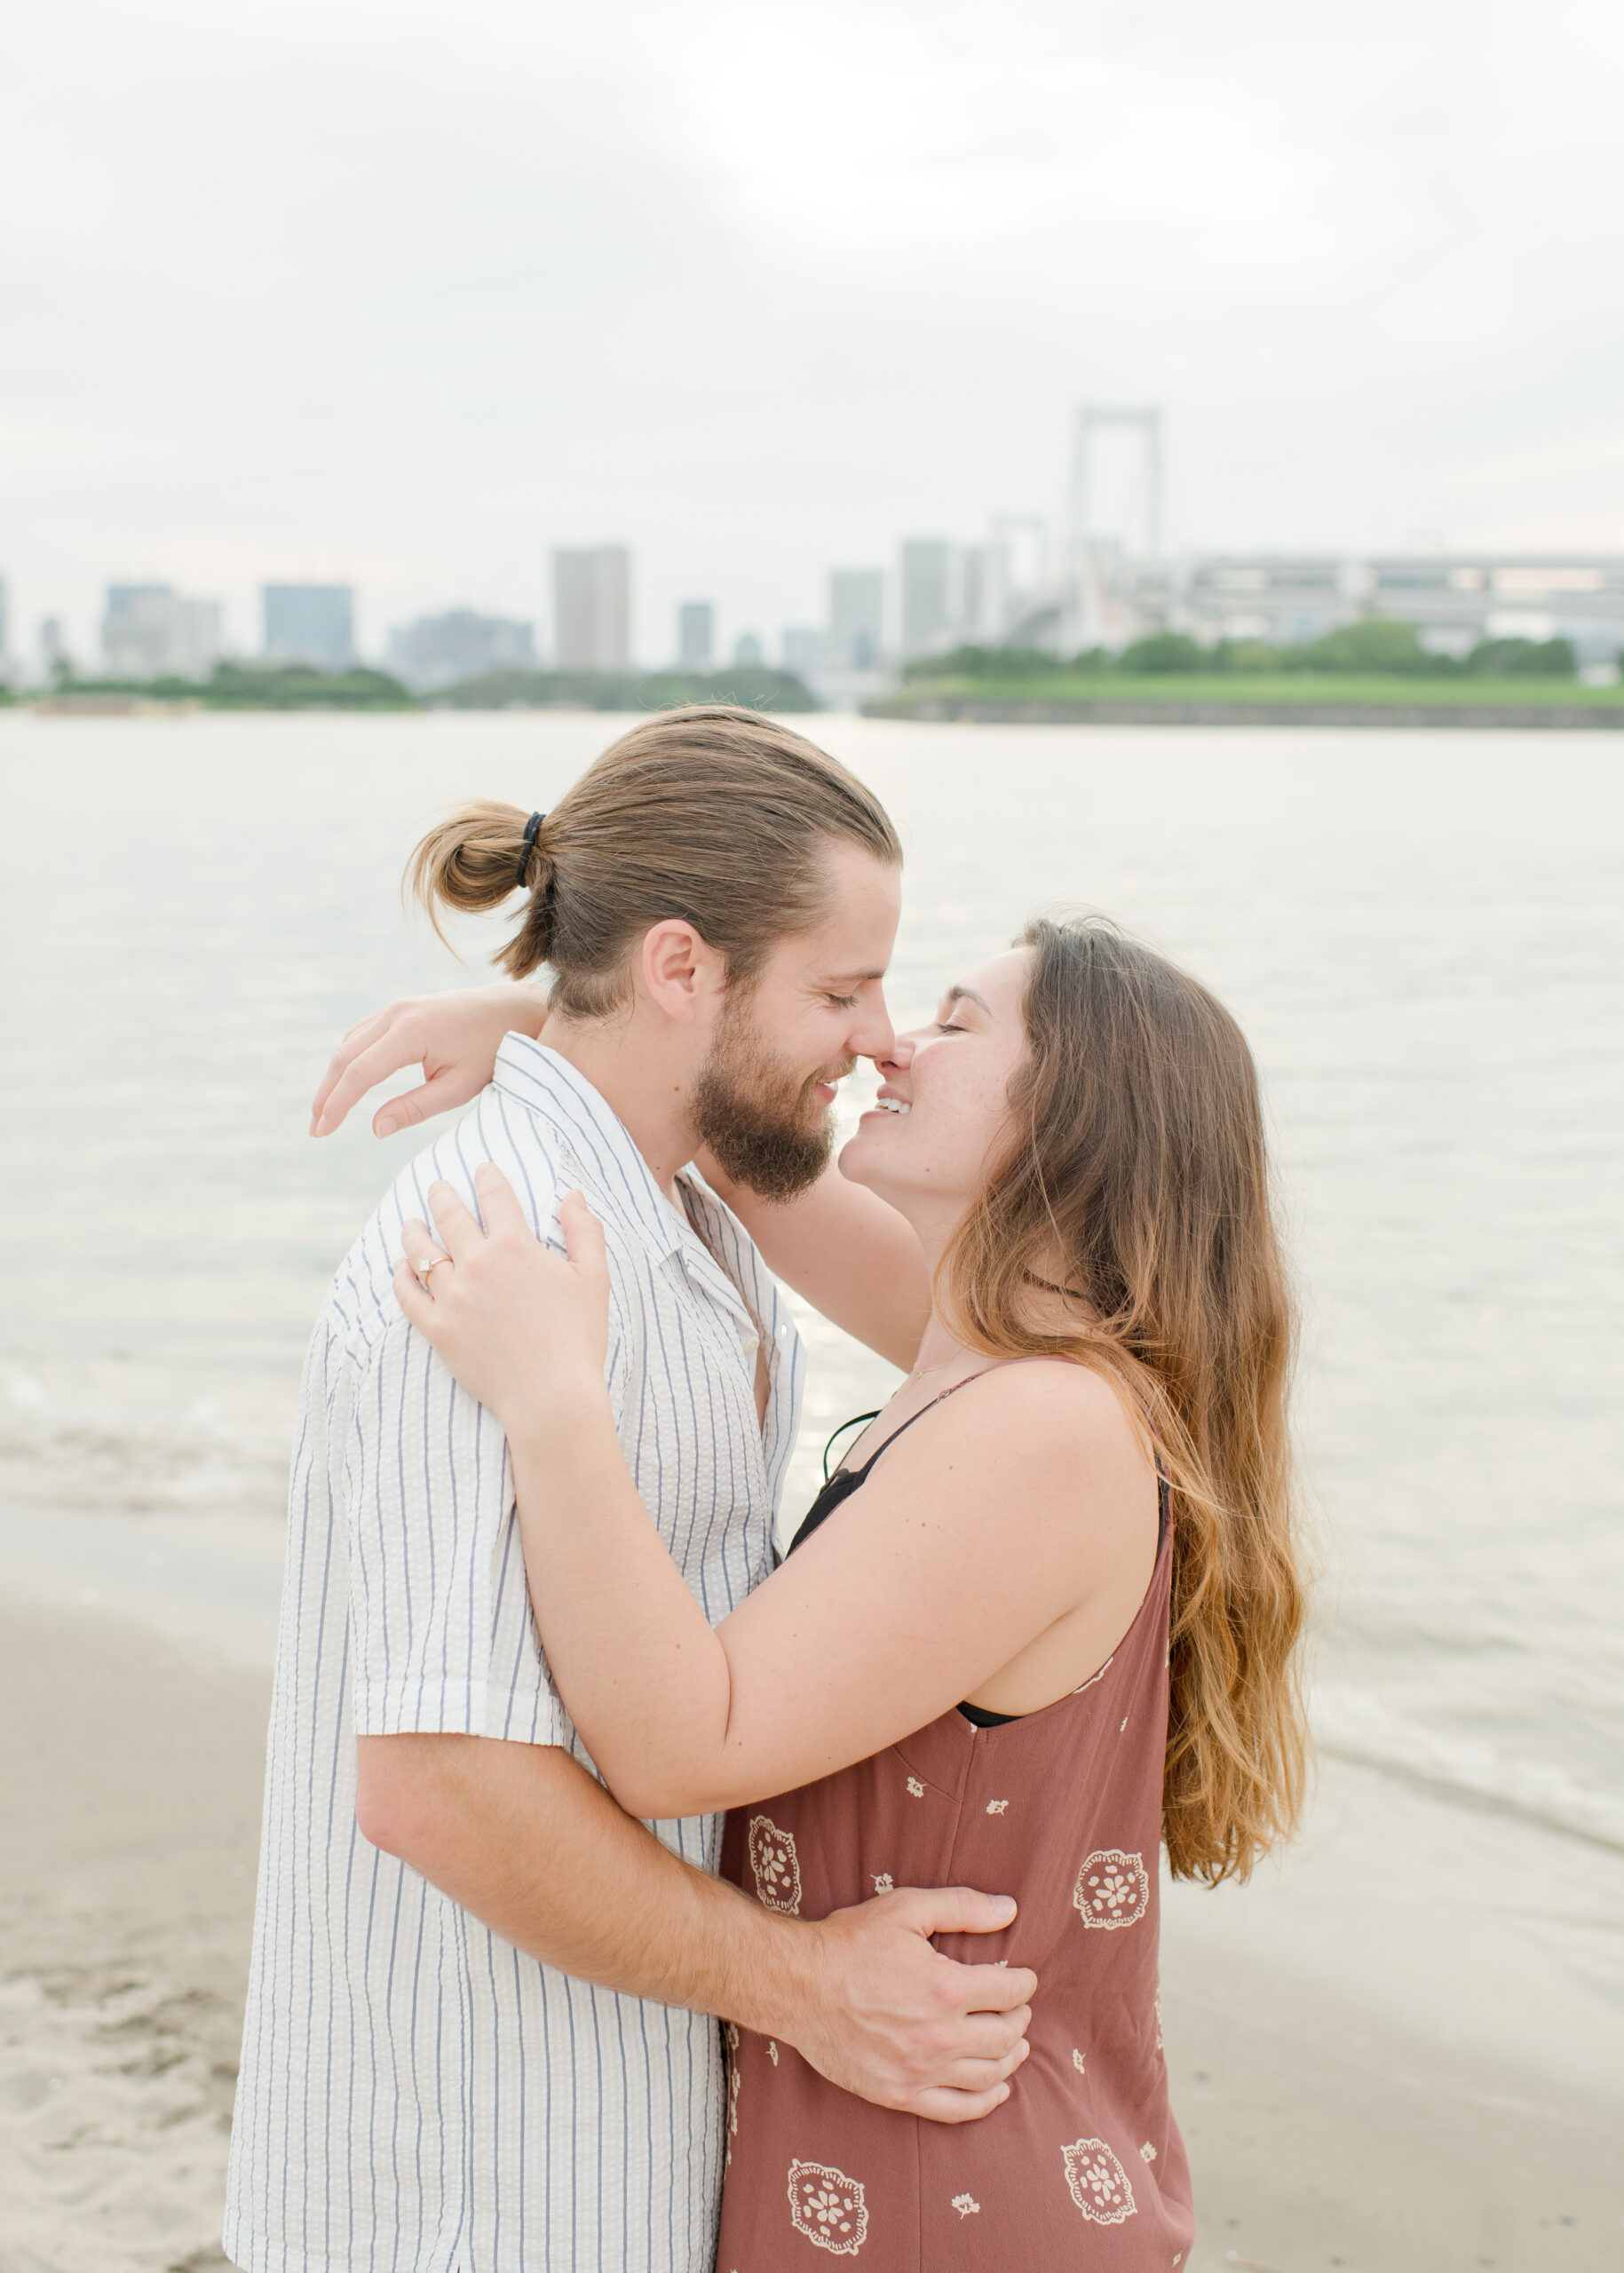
x=441 y=1628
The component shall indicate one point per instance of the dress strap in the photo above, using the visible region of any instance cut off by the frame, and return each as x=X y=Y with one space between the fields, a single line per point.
x=941 y=1398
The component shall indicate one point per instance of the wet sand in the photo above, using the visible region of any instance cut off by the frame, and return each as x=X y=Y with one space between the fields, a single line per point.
x=1382 y=2111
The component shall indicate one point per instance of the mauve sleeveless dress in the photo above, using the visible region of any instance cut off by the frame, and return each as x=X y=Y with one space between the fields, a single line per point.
x=1082 y=2166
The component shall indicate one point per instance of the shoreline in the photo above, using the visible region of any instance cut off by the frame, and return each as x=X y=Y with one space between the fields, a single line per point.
x=991 y=710
x=1367 y=2075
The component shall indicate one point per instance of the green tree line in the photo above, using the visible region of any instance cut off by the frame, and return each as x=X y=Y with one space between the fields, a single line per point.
x=298 y=686
x=1375 y=644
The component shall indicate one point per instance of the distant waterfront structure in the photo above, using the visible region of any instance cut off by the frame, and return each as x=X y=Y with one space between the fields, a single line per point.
x=929 y=615
x=696 y=631
x=804 y=649
x=997 y=577
x=1454 y=600
x=591 y=609
x=1111 y=520
x=459 y=643
x=748 y=650
x=857 y=618
x=1113 y=578
x=52 y=647
x=151 y=631
x=843 y=661
x=309 y=623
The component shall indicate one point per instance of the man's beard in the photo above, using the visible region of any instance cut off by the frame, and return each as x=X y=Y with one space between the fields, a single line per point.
x=763 y=1125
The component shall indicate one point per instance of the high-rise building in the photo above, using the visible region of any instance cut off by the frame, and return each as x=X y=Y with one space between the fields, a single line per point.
x=747 y=651
x=310 y=624
x=857 y=618
x=52 y=647
x=928 y=612
x=6 y=627
x=982 y=583
x=149 y=631
x=805 y=650
x=135 y=629
x=591 y=609
x=696 y=631
x=439 y=650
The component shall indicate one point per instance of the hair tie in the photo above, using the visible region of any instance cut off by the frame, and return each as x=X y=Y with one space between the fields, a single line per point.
x=532 y=829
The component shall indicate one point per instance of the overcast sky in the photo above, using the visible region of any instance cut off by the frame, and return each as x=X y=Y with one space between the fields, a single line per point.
x=407 y=294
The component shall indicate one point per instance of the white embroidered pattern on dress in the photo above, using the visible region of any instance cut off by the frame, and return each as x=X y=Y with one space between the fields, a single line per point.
x=773 y=2052
x=1098 y=2181
x=1077 y=2062
x=1147 y=2153
x=773 y=1861
x=827 y=2207
x=916 y=1788
x=966 y=2204
x=884 y=1884
x=1113 y=1889
x=1159 y=2024
x=996 y=1807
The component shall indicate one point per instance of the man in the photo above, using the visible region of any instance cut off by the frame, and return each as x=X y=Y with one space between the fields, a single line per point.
x=478 y=2036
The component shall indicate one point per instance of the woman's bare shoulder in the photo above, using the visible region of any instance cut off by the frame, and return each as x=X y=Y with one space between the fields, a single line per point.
x=1041 y=1411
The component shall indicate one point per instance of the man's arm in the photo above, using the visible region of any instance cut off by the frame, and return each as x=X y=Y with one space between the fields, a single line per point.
x=521 y=1835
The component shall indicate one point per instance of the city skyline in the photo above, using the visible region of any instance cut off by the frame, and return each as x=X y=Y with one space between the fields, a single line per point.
x=1061 y=597
x=1361 y=262
x=1098 y=574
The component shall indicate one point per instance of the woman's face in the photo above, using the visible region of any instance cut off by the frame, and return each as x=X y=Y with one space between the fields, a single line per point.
x=943 y=1115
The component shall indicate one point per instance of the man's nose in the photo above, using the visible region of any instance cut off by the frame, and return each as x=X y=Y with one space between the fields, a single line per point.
x=897 y=1057
x=873 y=1035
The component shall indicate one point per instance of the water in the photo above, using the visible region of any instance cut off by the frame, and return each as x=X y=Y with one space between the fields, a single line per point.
x=1423 y=934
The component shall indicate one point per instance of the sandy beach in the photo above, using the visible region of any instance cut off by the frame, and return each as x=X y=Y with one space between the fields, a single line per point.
x=1367 y=2112
x=130 y=1791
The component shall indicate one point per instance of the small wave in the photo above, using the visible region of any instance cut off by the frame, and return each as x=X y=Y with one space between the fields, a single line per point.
x=1352 y=1724
x=133 y=1445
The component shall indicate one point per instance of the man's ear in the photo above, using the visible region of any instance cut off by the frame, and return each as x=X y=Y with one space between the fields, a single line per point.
x=679 y=969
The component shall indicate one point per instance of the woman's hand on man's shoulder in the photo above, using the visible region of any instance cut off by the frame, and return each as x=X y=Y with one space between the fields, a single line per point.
x=454 y=1037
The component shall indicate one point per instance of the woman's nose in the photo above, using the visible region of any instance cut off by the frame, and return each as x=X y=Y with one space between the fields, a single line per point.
x=900 y=1056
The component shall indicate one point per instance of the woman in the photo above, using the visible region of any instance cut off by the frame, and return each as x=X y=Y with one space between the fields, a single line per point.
x=1043 y=1616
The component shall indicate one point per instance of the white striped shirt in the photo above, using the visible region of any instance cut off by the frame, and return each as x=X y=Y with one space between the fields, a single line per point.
x=416 y=2096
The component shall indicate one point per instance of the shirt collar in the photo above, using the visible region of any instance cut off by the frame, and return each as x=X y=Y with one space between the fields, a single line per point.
x=548 y=1085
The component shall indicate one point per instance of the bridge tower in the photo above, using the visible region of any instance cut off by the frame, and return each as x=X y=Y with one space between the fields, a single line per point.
x=1095 y=555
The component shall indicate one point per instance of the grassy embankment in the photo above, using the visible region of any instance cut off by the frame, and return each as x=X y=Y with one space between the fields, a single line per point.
x=1375 y=666
x=237 y=687
x=1381 y=692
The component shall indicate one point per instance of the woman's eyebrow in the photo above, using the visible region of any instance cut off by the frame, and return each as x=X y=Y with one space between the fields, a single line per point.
x=967 y=995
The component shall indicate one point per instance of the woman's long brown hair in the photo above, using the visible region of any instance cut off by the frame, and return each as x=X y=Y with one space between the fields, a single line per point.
x=1139 y=1175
